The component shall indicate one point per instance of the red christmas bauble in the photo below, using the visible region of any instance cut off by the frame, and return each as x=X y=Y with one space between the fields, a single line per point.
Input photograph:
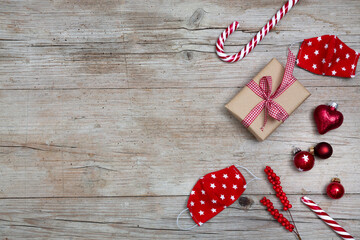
x=335 y=190
x=327 y=118
x=323 y=150
x=304 y=161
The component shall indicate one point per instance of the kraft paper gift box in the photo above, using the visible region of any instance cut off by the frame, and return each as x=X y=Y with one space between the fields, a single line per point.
x=246 y=100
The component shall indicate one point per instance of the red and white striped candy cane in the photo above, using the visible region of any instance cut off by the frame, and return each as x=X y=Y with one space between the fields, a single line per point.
x=258 y=37
x=326 y=218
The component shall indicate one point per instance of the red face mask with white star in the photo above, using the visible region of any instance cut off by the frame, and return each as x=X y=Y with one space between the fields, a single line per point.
x=327 y=55
x=213 y=193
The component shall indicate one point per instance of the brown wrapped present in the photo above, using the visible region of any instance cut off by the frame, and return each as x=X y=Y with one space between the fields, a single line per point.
x=286 y=95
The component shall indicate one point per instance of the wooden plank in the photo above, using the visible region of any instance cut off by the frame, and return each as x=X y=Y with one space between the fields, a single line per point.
x=118 y=142
x=111 y=111
x=74 y=44
x=155 y=217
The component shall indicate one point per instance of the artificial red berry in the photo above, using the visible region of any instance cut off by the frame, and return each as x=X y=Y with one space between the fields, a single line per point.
x=289 y=205
x=285 y=208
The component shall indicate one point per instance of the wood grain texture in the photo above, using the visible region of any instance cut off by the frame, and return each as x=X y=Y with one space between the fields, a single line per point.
x=111 y=111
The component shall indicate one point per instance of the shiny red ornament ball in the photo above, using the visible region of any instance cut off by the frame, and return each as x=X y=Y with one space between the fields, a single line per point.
x=304 y=161
x=335 y=189
x=327 y=118
x=323 y=150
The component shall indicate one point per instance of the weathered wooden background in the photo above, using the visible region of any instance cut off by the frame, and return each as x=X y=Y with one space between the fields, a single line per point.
x=111 y=110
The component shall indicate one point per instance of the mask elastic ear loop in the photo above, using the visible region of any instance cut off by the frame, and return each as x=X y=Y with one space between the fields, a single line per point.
x=255 y=177
x=177 y=221
x=291 y=45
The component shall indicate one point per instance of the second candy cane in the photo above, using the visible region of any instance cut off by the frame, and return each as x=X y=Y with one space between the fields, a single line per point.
x=258 y=37
x=326 y=218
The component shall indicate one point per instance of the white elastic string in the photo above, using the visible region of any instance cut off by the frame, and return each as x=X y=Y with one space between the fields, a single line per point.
x=255 y=177
x=177 y=221
x=291 y=45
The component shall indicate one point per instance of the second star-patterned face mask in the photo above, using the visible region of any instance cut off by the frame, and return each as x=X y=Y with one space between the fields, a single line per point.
x=327 y=55
x=213 y=193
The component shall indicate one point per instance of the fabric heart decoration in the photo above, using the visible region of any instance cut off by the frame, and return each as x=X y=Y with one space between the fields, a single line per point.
x=327 y=118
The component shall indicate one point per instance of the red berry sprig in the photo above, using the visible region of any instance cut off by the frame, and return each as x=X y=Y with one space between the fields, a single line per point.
x=275 y=181
x=278 y=216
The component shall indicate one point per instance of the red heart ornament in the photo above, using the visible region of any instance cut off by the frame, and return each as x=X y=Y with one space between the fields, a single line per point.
x=327 y=118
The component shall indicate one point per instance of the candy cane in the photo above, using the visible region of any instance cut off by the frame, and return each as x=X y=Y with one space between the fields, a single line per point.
x=258 y=37
x=326 y=218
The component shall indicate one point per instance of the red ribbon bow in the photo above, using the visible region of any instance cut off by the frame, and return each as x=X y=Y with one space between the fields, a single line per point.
x=263 y=90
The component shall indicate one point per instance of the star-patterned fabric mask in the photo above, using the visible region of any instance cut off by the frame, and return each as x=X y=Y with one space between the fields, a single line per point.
x=327 y=55
x=214 y=192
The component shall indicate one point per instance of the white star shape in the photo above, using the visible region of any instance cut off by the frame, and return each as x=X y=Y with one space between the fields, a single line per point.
x=213 y=201
x=319 y=39
x=326 y=46
x=333 y=72
x=305 y=157
x=202 y=202
x=309 y=43
x=212 y=186
x=191 y=203
x=329 y=64
x=306 y=57
x=224 y=185
x=193 y=192
x=201 y=212
x=213 y=210
x=224 y=207
x=225 y=176
x=297 y=61
x=237 y=176
x=232 y=198
x=191 y=214
x=213 y=176
x=222 y=197
x=338 y=59
x=340 y=46
x=323 y=74
x=334 y=50
x=234 y=186
x=203 y=192
x=314 y=66
x=316 y=52
x=356 y=53
x=353 y=66
x=347 y=56
x=323 y=61
x=200 y=223
x=344 y=69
